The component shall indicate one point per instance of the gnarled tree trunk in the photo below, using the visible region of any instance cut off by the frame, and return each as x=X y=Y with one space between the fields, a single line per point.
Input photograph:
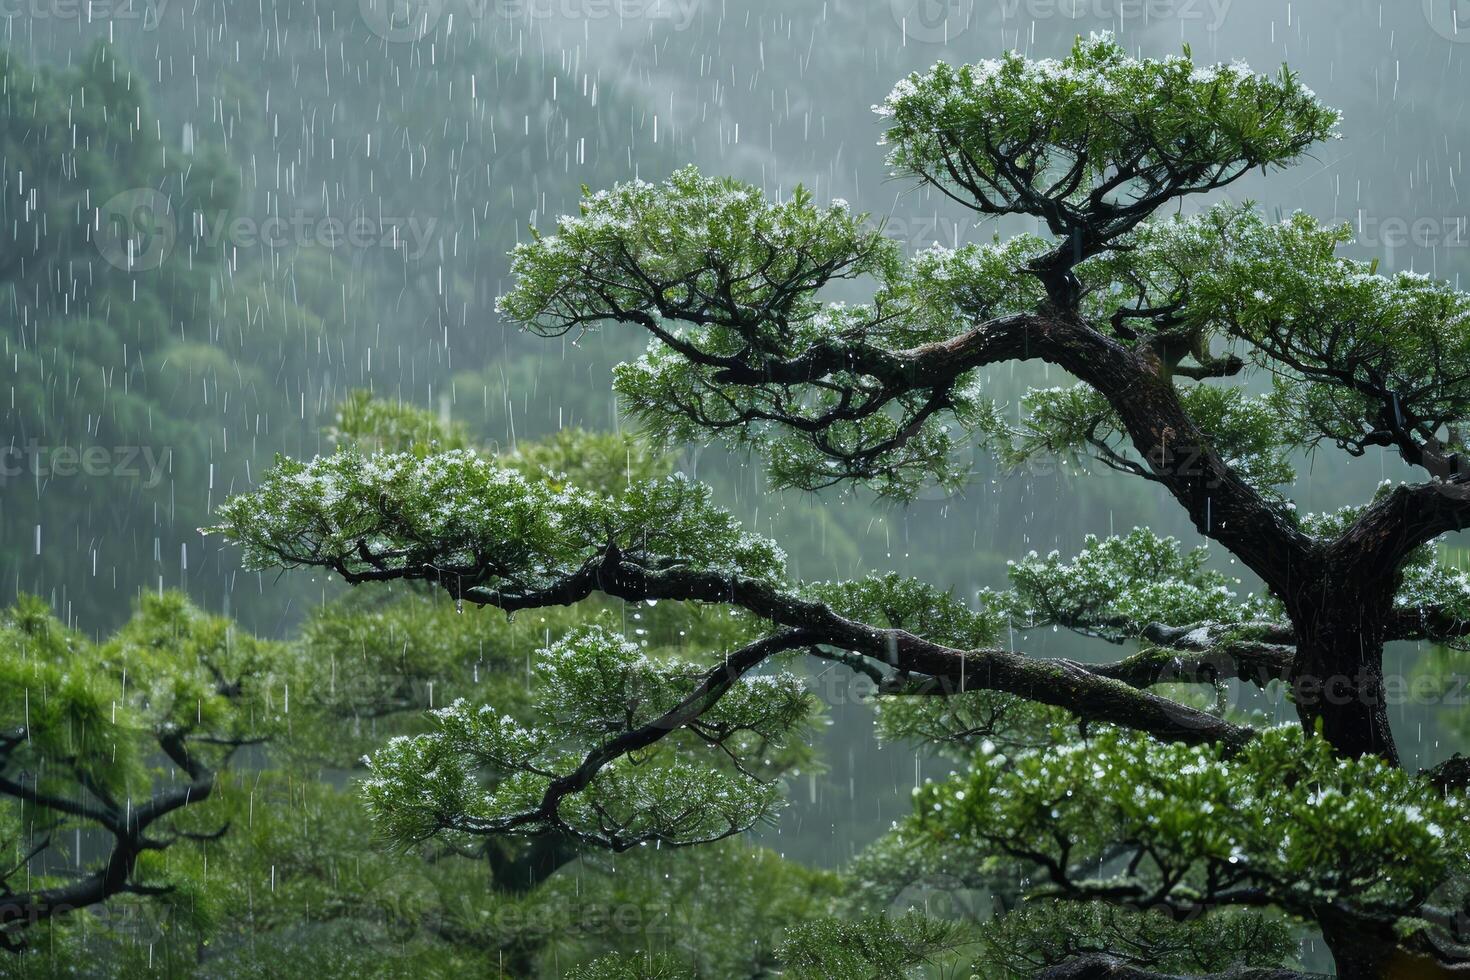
x=1359 y=952
x=1341 y=621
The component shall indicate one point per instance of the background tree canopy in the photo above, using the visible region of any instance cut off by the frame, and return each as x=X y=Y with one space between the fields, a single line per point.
x=981 y=671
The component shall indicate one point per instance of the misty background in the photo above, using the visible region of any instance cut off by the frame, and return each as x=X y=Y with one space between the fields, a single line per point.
x=332 y=188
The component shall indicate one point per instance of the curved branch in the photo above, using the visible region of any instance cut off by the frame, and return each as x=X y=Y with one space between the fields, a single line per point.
x=21 y=911
x=1453 y=774
x=1060 y=683
x=1178 y=455
x=1255 y=663
x=1433 y=623
x=1389 y=529
x=711 y=688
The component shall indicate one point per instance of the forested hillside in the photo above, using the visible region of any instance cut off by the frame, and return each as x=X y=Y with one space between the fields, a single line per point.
x=261 y=261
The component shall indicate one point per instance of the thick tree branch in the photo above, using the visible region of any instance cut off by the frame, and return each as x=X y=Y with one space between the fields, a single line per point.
x=1255 y=663
x=1179 y=456
x=21 y=911
x=1451 y=775
x=536 y=862
x=1391 y=528
x=1428 y=623
x=1059 y=683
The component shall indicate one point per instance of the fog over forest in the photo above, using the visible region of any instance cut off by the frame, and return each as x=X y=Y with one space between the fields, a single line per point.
x=354 y=500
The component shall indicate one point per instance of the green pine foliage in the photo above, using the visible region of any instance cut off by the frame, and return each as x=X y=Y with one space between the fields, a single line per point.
x=1097 y=804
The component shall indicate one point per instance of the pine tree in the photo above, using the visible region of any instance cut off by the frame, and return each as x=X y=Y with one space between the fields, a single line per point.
x=1172 y=327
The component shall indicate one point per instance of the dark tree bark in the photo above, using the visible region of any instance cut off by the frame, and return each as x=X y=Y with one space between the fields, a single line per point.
x=532 y=864
x=1338 y=592
x=1341 y=619
x=128 y=825
x=1359 y=952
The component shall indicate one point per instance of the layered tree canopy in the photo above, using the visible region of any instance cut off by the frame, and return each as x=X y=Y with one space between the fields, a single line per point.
x=266 y=859
x=112 y=753
x=1206 y=350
